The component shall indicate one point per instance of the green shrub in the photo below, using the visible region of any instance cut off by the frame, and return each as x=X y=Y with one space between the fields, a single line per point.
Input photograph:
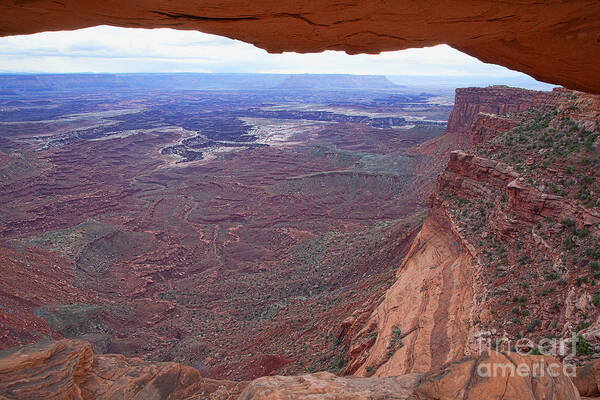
x=551 y=276
x=596 y=299
x=582 y=347
x=535 y=352
x=582 y=325
x=582 y=233
x=533 y=325
x=523 y=260
x=568 y=243
x=589 y=251
x=337 y=364
x=396 y=338
x=582 y=279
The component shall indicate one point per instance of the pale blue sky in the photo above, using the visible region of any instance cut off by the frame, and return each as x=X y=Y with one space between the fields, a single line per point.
x=111 y=49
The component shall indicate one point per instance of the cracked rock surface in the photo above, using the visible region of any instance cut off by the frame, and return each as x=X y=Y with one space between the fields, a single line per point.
x=556 y=41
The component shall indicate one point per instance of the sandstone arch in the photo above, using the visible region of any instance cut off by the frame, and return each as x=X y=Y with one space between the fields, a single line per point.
x=556 y=41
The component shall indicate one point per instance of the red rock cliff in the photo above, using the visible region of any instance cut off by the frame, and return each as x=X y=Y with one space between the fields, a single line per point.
x=499 y=254
x=478 y=115
x=474 y=108
x=499 y=100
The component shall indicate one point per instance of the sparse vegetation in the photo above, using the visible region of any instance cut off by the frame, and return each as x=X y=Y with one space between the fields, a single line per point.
x=553 y=155
x=596 y=299
x=395 y=341
x=535 y=352
x=582 y=347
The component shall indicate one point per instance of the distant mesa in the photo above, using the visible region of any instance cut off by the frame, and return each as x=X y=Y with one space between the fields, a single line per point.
x=336 y=82
x=138 y=81
x=12 y=84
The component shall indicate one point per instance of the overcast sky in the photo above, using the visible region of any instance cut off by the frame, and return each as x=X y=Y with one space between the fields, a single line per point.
x=110 y=49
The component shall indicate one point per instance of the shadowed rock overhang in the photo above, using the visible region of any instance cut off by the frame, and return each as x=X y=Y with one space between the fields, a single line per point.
x=557 y=41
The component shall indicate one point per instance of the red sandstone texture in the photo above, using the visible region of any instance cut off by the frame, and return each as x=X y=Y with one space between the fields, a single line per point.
x=478 y=115
x=68 y=369
x=510 y=246
x=479 y=106
x=587 y=379
x=552 y=41
x=440 y=384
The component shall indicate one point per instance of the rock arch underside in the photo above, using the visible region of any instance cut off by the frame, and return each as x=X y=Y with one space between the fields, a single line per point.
x=557 y=41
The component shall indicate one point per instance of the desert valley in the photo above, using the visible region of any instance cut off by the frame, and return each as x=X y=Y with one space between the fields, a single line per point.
x=224 y=229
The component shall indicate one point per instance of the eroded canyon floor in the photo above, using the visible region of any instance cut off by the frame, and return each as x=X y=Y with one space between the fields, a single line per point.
x=233 y=230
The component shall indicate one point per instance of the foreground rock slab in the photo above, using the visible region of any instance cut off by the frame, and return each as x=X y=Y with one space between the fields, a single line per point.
x=67 y=369
x=587 y=379
x=324 y=385
x=457 y=380
x=46 y=370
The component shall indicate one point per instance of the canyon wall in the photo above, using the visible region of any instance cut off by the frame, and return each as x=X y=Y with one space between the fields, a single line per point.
x=491 y=261
x=426 y=315
x=470 y=102
x=478 y=115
